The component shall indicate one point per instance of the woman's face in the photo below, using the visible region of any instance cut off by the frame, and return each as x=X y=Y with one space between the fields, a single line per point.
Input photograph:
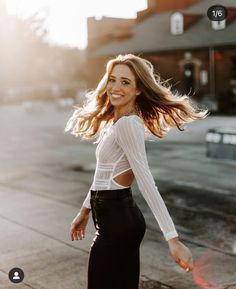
x=121 y=87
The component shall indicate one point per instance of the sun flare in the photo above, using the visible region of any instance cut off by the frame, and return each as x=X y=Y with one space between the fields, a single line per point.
x=65 y=21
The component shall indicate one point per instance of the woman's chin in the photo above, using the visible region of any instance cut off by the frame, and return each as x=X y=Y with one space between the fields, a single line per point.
x=116 y=102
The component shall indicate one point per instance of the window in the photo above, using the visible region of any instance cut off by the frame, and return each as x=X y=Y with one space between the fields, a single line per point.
x=176 y=23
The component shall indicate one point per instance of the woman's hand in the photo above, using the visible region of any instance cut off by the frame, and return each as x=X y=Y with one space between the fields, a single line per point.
x=78 y=226
x=181 y=254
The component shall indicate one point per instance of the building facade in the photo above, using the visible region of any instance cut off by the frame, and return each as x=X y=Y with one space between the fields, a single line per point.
x=197 y=55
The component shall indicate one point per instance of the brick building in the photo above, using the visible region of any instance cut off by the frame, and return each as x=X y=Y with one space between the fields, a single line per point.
x=196 y=54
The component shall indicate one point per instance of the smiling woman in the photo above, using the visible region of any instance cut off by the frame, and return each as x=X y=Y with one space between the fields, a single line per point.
x=122 y=90
x=128 y=99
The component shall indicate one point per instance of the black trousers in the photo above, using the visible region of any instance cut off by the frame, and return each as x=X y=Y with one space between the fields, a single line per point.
x=114 y=261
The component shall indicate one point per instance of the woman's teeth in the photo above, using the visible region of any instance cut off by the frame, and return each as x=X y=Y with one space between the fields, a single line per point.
x=116 y=95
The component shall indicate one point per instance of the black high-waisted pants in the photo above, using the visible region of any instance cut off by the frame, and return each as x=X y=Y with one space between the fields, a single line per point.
x=114 y=253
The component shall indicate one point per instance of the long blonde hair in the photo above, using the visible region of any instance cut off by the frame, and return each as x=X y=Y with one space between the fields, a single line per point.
x=157 y=106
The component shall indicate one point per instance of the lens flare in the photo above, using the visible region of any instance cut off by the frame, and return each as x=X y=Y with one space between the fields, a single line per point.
x=200 y=274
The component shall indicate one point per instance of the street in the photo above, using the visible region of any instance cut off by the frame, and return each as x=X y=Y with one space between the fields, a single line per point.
x=45 y=176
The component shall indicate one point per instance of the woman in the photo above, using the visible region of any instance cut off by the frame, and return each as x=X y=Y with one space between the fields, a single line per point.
x=129 y=100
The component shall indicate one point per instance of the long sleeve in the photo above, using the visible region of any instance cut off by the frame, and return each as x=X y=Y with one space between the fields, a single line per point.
x=86 y=202
x=129 y=134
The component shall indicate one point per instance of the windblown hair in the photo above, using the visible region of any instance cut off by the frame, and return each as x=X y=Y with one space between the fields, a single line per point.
x=159 y=108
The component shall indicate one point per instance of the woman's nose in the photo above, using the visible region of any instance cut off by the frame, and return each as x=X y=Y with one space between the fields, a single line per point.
x=116 y=86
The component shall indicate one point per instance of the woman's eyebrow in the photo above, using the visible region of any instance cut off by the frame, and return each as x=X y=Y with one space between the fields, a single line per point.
x=121 y=77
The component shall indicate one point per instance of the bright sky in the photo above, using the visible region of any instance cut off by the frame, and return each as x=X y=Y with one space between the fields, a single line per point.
x=66 y=19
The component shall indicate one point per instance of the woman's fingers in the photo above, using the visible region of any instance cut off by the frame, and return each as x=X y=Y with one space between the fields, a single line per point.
x=187 y=266
x=190 y=262
x=72 y=234
x=182 y=256
x=78 y=234
x=77 y=229
x=82 y=233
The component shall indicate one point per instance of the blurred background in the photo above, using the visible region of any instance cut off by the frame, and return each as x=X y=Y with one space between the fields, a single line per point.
x=53 y=52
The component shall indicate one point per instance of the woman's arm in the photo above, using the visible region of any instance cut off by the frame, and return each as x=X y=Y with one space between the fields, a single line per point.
x=86 y=202
x=79 y=223
x=129 y=133
x=83 y=212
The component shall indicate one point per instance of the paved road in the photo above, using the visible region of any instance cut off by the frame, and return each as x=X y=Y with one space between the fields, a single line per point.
x=45 y=175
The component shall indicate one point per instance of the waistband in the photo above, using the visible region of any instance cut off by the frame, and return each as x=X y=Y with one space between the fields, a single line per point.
x=111 y=194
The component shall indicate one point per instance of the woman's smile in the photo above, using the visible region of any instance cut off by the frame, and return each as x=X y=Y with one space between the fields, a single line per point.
x=116 y=96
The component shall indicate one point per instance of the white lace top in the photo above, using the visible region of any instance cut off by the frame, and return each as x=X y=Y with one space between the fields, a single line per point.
x=123 y=148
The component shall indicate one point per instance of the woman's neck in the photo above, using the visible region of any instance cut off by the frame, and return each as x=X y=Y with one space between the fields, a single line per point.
x=118 y=115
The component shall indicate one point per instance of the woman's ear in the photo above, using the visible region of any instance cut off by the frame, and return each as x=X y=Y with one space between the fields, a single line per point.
x=138 y=92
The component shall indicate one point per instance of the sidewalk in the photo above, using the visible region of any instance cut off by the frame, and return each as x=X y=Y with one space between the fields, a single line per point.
x=46 y=175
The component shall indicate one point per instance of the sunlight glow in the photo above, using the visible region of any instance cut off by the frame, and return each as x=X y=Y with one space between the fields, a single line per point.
x=66 y=19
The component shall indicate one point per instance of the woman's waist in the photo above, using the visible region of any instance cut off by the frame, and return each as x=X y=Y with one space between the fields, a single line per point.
x=111 y=194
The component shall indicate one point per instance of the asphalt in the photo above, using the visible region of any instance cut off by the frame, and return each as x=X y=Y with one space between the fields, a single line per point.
x=45 y=176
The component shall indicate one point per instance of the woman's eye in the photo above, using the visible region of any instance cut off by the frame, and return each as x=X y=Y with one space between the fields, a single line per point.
x=123 y=82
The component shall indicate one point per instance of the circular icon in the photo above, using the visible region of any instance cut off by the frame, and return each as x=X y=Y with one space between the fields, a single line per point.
x=16 y=275
x=217 y=13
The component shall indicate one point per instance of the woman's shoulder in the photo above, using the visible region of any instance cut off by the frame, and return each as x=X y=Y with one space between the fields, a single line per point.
x=132 y=125
x=129 y=120
x=129 y=123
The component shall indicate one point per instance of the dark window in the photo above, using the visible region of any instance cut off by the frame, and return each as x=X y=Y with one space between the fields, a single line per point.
x=233 y=68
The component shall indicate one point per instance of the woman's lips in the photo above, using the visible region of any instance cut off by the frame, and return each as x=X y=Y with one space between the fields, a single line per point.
x=114 y=95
